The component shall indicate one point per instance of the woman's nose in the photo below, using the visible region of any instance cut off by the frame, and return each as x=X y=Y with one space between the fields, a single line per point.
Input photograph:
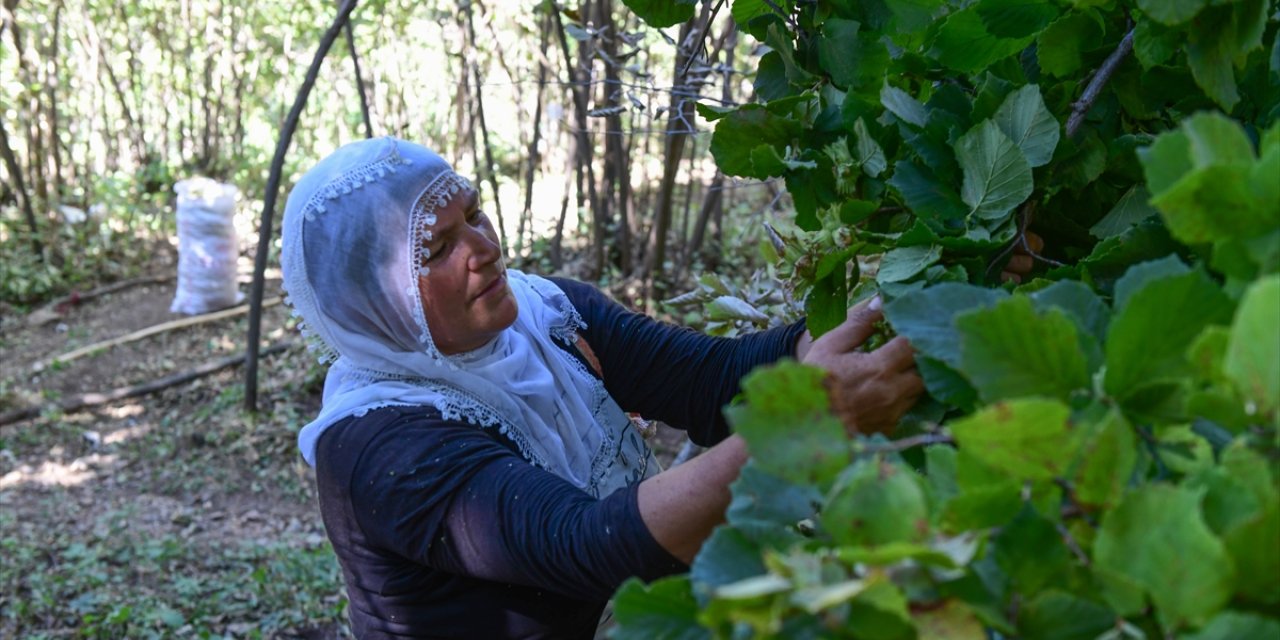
x=484 y=250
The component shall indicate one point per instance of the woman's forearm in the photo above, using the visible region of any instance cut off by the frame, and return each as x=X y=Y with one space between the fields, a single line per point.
x=681 y=506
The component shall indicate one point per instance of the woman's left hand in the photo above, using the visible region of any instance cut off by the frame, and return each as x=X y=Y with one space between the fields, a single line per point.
x=870 y=391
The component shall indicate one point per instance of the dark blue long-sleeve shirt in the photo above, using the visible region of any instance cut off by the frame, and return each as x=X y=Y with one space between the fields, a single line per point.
x=444 y=531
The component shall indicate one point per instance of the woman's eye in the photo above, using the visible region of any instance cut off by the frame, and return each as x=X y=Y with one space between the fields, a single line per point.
x=476 y=217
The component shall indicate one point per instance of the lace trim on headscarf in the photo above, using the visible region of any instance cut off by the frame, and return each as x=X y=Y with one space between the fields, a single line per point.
x=353 y=180
x=422 y=217
x=454 y=404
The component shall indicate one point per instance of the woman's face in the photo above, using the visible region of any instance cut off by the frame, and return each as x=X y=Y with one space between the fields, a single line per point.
x=465 y=296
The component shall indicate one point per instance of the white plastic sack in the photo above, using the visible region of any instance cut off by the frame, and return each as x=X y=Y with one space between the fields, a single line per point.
x=207 y=248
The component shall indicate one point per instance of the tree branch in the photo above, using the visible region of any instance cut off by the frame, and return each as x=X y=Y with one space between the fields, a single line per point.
x=1091 y=92
x=269 y=204
x=87 y=400
x=921 y=440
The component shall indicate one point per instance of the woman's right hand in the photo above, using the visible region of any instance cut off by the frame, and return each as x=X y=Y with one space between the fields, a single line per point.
x=870 y=391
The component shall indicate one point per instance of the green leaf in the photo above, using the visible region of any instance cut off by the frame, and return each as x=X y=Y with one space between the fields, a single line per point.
x=1140 y=275
x=925 y=194
x=728 y=556
x=901 y=104
x=1107 y=456
x=663 y=609
x=1148 y=338
x=876 y=502
x=902 y=264
x=787 y=424
x=1009 y=351
x=660 y=13
x=779 y=39
x=1059 y=47
x=767 y=508
x=894 y=553
x=913 y=15
x=1251 y=540
x=735 y=308
x=1030 y=551
x=1171 y=12
x=827 y=305
x=880 y=613
x=1083 y=163
x=870 y=155
x=1089 y=312
x=1214 y=139
x=926 y=317
x=740 y=132
x=854 y=59
x=1193 y=208
x=1154 y=44
x=1232 y=625
x=744 y=11
x=1211 y=51
x=1057 y=615
x=1025 y=439
x=1166 y=161
x=954 y=620
x=997 y=177
x=1015 y=18
x=1185 y=572
x=1132 y=208
x=1025 y=119
x=946 y=384
x=965 y=45
x=987 y=496
x=1253 y=355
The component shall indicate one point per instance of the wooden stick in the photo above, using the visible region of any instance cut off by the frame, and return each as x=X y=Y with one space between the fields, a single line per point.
x=269 y=204
x=1081 y=107
x=149 y=331
x=49 y=313
x=87 y=400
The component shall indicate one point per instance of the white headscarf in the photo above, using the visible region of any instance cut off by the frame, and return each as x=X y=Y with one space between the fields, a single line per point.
x=353 y=234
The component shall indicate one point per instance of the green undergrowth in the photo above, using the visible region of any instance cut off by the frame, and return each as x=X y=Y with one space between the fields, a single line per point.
x=124 y=584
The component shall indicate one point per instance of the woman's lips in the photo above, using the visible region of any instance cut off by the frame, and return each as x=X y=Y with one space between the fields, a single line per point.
x=493 y=287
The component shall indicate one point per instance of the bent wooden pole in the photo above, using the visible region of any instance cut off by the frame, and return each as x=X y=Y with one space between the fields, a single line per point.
x=269 y=204
x=87 y=400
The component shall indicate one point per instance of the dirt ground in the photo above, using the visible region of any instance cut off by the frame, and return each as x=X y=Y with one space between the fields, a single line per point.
x=175 y=514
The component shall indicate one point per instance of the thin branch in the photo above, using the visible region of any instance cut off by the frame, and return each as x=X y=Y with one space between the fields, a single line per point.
x=355 y=64
x=87 y=400
x=269 y=203
x=921 y=440
x=1071 y=543
x=1091 y=92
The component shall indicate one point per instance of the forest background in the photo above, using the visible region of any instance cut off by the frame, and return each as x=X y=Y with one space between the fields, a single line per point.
x=1099 y=452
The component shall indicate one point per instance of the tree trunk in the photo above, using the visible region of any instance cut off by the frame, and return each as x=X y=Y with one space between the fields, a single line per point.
x=51 y=94
x=679 y=124
x=484 y=127
x=588 y=199
x=535 y=156
x=15 y=177
x=617 y=170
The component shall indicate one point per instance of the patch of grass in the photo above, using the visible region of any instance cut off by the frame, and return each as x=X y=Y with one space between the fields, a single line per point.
x=124 y=585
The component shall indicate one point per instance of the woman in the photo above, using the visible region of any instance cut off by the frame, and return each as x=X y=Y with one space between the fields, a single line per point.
x=477 y=474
